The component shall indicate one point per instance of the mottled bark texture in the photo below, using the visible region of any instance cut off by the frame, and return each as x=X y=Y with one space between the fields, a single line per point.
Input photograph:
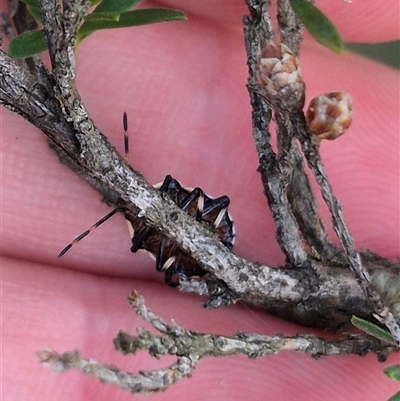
x=276 y=88
x=315 y=288
x=190 y=347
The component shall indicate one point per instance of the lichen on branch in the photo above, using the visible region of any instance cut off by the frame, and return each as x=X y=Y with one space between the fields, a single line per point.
x=320 y=284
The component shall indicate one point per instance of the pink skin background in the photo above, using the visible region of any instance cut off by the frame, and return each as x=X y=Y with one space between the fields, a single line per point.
x=183 y=87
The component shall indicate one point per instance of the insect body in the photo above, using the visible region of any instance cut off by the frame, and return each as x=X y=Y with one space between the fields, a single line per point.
x=170 y=259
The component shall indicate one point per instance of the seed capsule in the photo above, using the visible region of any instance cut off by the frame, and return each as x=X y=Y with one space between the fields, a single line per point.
x=328 y=116
x=279 y=76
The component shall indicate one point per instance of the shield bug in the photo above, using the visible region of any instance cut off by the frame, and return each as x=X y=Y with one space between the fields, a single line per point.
x=170 y=259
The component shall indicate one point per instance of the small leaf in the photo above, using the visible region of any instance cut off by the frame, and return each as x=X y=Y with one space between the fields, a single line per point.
x=27 y=44
x=393 y=372
x=318 y=25
x=116 y=6
x=396 y=397
x=387 y=53
x=373 y=330
x=33 y=8
x=132 y=18
x=35 y=12
x=31 y=3
x=106 y=16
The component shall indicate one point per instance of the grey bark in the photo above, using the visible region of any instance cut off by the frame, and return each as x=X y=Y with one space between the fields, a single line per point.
x=309 y=290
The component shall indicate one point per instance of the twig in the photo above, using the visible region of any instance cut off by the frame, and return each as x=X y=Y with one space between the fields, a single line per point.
x=286 y=184
x=312 y=294
x=311 y=152
x=263 y=86
x=143 y=383
x=191 y=346
x=218 y=293
x=258 y=29
x=276 y=290
x=290 y=27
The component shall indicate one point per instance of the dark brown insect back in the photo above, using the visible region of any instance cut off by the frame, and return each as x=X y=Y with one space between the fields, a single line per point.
x=170 y=259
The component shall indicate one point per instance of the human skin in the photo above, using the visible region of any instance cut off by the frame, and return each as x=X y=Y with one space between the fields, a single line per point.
x=183 y=86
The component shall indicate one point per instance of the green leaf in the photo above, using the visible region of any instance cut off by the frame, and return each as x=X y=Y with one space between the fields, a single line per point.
x=35 y=12
x=33 y=8
x=33 y=42
x=373 y=330
x=31 y=3
x=94 y=2
x=27 y=44
x=396 y=397
x=106 y=16
x=318 y=25
x=132 y=18
x=387 y=53
x=393 y=372
x=116 y=6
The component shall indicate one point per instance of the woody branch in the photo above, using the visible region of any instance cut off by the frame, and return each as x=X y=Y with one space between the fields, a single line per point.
x=190 y=347
x=276 y=85
x=51 y=102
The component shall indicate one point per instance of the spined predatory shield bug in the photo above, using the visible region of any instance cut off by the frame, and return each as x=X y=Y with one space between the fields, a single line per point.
x=171 y=260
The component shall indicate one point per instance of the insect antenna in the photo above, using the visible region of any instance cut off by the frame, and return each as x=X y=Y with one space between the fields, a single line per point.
x=126 y=135
x=106 y=217
x=87 y=232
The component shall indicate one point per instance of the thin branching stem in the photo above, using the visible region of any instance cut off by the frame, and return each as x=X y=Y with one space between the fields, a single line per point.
x=190 y=347
x=308 y=290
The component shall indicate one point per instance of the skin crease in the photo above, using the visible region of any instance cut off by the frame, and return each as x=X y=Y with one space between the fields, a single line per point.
x=183 y=86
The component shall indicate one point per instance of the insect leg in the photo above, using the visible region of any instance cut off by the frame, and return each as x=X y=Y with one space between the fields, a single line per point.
x=197 y=195
x=216 y=210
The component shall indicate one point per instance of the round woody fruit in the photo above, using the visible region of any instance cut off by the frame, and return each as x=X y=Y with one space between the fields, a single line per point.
x=328 y=116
